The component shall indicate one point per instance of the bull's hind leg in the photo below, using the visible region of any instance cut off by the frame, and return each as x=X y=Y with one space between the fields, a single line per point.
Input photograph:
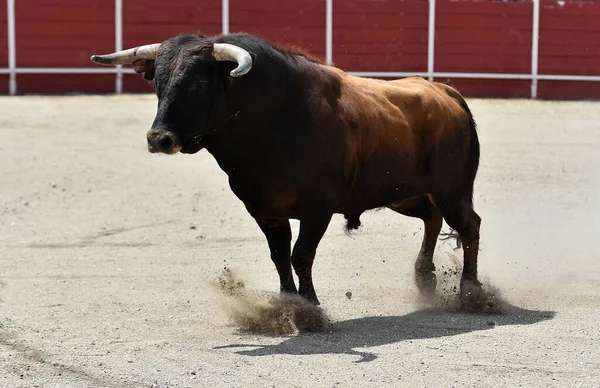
x=421 y=207
x=279 y=238
x=460 y=216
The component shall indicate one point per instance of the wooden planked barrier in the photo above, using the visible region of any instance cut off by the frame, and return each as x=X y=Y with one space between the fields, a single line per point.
x=471 y=36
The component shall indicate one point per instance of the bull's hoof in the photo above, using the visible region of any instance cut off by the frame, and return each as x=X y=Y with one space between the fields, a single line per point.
x=310 y=297
x=288 y=290
x=426 y=282
x=474 y=298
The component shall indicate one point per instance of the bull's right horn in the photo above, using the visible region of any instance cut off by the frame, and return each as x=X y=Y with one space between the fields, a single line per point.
x=128 y=56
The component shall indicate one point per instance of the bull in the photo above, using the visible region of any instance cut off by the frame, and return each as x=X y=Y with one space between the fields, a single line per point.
x=299 y=139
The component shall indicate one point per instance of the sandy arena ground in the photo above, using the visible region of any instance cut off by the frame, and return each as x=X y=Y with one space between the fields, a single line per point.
x=107 y=254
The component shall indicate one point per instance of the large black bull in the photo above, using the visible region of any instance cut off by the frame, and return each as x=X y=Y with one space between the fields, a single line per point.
x=302 y=140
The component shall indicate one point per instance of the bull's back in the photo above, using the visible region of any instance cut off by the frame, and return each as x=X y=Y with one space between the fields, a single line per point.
x=401 y=127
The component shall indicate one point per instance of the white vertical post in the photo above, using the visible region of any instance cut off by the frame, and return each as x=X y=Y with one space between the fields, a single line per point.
x=535 y=40
x=329 y=31
x=12 y=47
x=431 y=40
x=119 y=43
x=225 y=16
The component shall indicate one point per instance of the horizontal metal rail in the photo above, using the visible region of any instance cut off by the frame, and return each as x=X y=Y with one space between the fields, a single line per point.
x=506 y=76
x=371 y=74
x=67 y=70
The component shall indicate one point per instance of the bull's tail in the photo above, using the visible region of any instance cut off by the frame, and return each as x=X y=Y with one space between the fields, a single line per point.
x=474 y=148
x=451 y=235
x=352 y=223
x=472 y=166
x=474 y=152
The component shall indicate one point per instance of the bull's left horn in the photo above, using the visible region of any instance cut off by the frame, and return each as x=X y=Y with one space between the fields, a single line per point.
x=229 y=52
x=128 y=56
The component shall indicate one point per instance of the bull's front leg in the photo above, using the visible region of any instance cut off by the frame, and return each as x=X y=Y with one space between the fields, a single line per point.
x=312 y=230
x=279 y=238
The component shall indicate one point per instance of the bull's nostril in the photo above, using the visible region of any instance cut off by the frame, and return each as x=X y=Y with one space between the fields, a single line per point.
x=166 y=143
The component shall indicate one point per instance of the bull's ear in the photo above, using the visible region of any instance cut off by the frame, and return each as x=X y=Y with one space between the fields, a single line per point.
x=145 y=67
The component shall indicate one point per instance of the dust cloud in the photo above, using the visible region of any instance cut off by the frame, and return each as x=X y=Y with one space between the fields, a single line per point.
x=268 y=313
x=487 y=299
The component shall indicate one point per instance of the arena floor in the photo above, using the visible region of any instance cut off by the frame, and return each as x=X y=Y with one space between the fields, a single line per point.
x=108 y=256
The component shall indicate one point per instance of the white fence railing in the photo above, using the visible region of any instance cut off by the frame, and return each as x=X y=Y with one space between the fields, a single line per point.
x=430 y=73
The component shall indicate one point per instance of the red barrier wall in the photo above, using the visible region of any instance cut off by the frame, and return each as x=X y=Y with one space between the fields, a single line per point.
x=150 y=21
x=292 y=22
x=472 y=36
x=386 y=35
x=62 y=36
x=569 y=44
x=484 y=37
x=3 y=38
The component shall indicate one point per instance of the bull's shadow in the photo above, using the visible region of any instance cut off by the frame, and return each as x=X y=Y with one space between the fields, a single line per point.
x=376 y=331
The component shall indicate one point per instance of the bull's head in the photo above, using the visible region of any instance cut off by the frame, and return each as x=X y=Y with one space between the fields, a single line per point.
x=192 y=77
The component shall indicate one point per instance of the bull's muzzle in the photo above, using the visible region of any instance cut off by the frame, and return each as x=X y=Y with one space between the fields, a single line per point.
x=163 y=142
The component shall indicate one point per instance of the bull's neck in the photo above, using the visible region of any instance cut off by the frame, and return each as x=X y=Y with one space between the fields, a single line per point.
x=231 y=144
x=242 y=144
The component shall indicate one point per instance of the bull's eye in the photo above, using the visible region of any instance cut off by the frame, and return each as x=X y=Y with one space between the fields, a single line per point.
x=196 y=86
